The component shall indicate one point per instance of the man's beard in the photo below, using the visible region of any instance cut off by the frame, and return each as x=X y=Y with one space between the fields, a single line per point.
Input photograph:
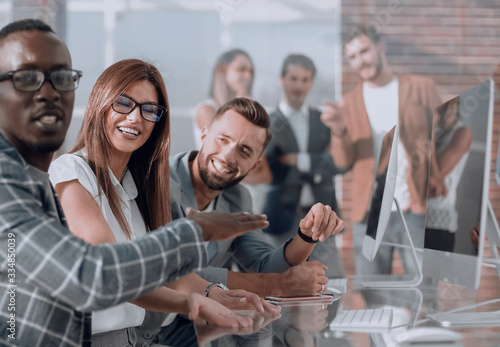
x=211 y=182
x=45 y=147
x=378 y=68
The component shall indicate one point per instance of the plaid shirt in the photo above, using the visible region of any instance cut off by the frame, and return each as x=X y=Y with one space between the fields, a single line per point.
x=50 y=280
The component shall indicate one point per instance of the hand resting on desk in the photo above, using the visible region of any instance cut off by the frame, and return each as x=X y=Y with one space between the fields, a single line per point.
x=239 y=299
x=304 y=279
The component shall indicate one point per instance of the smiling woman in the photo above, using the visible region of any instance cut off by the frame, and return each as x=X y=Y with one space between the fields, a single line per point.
x=117 y=171
x=114 y=187
x=116 y=140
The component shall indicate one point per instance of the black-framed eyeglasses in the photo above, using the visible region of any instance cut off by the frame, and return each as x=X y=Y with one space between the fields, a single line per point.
x=150 y=112
x=31 y=80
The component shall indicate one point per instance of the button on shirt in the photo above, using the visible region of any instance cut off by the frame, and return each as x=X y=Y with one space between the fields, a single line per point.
x=299 y=122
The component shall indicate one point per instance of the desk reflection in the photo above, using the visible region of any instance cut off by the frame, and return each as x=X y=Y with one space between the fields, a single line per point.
x=298 y=326
x=309 y=325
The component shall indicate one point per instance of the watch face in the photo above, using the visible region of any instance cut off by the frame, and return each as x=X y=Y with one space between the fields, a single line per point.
x=222 y=286
x=211 y=285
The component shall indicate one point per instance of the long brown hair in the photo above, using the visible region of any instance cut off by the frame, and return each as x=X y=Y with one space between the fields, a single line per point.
x=149 y=164
x=219 y=90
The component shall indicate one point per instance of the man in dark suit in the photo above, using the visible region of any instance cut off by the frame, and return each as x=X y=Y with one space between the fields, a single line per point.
x=298 y=156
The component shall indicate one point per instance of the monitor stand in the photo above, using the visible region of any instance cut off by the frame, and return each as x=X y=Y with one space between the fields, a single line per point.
x=457 y=318
x=397 y=281
x=493 y=235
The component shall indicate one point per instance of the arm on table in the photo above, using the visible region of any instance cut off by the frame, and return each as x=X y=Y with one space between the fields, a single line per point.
x=79 y=206
x=303 y=279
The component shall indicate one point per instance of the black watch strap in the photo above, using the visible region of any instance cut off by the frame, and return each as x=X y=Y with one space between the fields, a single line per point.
x=305 y=237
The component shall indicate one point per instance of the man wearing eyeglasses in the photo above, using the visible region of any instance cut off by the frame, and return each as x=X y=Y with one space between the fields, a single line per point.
x=50 y=280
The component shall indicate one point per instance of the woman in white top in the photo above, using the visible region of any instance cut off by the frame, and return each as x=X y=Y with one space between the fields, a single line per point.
x=232 y=77
x=453 y=141
x=114 y=187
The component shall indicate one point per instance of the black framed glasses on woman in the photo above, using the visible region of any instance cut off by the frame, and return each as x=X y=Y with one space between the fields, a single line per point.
x=150 y=112
x=31 y=80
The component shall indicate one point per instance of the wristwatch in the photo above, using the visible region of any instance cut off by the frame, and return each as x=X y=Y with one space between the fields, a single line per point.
x=211 y=285
x=306 y=238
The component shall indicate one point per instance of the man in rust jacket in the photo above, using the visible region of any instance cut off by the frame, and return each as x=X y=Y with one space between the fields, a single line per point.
x=358 y=124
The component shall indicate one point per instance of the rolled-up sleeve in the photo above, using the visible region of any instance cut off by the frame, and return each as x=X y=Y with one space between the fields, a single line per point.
x=254 y=254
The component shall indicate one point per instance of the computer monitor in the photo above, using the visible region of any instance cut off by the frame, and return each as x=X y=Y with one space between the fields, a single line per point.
x=380 y=212
x=382 y=195
x=462 y=265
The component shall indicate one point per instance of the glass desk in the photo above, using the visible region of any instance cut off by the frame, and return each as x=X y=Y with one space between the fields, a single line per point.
x=308 y=325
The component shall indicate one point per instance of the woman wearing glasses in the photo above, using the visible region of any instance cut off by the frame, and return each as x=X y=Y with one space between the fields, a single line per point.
x=116 y=178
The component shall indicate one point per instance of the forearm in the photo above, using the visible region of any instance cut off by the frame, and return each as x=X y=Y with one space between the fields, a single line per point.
x=89 y=291
x=298 y=251
x=303 y=279
x=164 y=300
x=459 y=145
x=188 y=284
x=341 y=149
x=434 y=169
x=262 y=284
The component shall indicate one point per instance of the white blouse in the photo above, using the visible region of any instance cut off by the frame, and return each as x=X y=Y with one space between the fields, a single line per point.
x=70 y=167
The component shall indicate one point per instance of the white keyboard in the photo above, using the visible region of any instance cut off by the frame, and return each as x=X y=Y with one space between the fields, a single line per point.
x=366 y=320
x=338 y=283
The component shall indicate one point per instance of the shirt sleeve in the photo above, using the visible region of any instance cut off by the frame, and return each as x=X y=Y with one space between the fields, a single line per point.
x=254 y=254
x=69 y=167
x=51 y=259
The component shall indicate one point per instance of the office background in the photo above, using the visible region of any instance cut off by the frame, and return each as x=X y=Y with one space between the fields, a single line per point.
x=455 y=42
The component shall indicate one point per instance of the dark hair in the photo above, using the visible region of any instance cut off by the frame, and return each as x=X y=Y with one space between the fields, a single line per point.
x=219 y=90
x=300 y=60
x=369 y=31
x=251 y=110
x=29 y=24
x=149 y=164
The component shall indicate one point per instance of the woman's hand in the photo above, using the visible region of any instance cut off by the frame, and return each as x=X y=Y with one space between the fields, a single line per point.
x=240 y=299
x=213 y=312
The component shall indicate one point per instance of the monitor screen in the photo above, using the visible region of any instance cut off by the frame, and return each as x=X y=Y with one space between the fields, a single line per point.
x=382 y=194
x=458 y=194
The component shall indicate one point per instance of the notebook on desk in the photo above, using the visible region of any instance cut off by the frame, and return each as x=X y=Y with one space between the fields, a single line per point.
x=323 y=299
